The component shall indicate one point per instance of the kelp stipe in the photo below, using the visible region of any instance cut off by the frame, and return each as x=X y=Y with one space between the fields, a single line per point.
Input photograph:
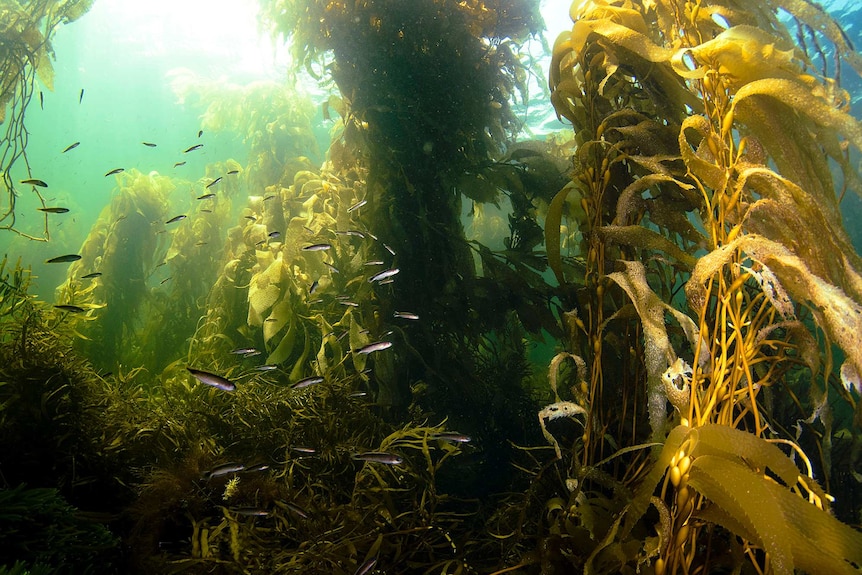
x=685 y=180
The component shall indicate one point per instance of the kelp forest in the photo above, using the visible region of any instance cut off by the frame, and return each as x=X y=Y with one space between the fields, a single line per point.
x=442 y=345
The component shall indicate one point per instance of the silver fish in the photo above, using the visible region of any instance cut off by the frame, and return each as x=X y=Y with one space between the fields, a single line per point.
x=405 y=315
x=357 y=205
x=212 y=379
x=366 y=567
x=243 y=350
x=452 y=437
x=176 y=219
x=305 y=382
x=379 y=457
x=296 y=509
x=372 y=347
x=63 y=259
x=214 y=182
x=331 y=267
x=224 y=469
x=266 y=368
x=384 y=275
x=316 y=248
x=250 y=511
x=300 y=449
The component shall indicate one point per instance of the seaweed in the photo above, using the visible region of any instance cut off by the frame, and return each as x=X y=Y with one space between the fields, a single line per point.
x=26 y=29
x=685 y=182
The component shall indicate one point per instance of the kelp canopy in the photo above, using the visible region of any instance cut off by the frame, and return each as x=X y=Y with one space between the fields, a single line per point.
x=26 y=29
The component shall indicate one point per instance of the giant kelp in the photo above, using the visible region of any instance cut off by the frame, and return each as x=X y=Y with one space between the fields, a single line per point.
x=707 y=141
x=26 y=29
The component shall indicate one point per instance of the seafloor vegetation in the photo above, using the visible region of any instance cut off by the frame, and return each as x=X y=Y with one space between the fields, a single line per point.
x=652 y=365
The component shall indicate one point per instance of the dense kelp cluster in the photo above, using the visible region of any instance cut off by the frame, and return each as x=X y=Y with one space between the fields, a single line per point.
x=707 y=138
x=26 y=29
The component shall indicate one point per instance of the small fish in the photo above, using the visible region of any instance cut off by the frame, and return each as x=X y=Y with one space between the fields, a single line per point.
x=274 y=235
x=383 y=275
x=178 y=164
x=206 y=196
x=388 y=249
x=356 y=233
x=34 y=182
x=251 y=354
x=70 y=308
x=305 y=382
x=201 y=243
x=53 y=210
x=301 y=449
x=379 y=457
x=232 y=172
x=41 y=100
x=200 y=133
x=224 y=469
x=356 y=206
x=149 y=144
x=405 y=315
x=313 y=287
x=270 y=319
x=349 y=303
x=296 y=509
x=160 y=264
x=214 y=182
x=250 y=218
x=358 y=394
x=92 y=275
x=370 y=235
x=212 y=379
x=256 y=468
x=316 y=248
x=176 y=219
x=243 y=350
x=366 y=567
x=372 y=347
x=164 y=281
x=266 y=368
x=452 y=437
x=63 y=259
x=331 y=267
x=81 y=96
x=250 y=511
x=193 y=148
x=309 y=230
x=71 y=147
x=374 y=263
x=269 y=197
x=386 y=281
x=115 y=171
x=206 y=211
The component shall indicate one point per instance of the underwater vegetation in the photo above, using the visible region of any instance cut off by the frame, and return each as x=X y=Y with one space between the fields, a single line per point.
x=26 y=29
x=713 y=149
x=337 y=364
